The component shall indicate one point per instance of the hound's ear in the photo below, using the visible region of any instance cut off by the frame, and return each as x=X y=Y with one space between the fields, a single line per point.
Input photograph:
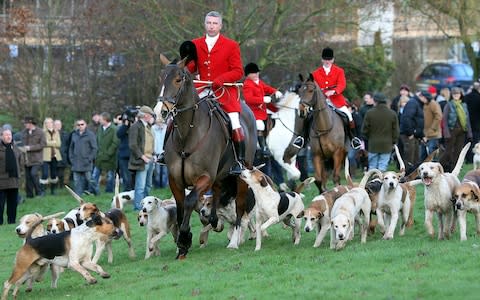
x=263 y=181
x=440 y=168
x=476 y=193
x=301 y=214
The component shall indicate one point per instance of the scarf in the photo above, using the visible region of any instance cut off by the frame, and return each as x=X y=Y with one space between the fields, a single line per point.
x=10 y=161
x=461 y=115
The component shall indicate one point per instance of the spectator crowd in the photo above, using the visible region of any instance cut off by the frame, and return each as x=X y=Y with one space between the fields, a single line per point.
x=49 y=157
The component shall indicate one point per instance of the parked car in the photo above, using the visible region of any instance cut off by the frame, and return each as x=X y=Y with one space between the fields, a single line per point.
x=443 y=75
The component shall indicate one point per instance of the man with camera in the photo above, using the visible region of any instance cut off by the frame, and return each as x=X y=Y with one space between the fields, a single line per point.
x=123 y=152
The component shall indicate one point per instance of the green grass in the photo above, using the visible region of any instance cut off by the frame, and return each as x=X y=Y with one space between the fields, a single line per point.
x=409 y=267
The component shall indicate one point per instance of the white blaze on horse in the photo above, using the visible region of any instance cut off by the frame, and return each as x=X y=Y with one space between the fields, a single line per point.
x=281 y=134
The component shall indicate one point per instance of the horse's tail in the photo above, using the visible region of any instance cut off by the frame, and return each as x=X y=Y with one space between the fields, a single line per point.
x=304 y=184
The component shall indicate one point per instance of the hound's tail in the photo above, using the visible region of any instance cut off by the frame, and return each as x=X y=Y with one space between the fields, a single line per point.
x=400 y=161
x=367 y=176
x=304 y=184
x=118 y=203
x=75 y=195
x=461 y=159
x=58 y=214
x=348 y=178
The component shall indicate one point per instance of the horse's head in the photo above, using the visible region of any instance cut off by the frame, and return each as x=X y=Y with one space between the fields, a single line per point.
x=307 y=92
x=311 y=96
x=174 y=81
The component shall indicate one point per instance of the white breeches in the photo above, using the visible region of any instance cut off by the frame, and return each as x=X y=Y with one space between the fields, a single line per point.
x=260 y=125
x=235 y=119
x=346 y=111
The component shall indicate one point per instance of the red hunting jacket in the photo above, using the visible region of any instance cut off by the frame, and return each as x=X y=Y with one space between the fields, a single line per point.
x=224 y=63
x=253 y=94
x=335 y=80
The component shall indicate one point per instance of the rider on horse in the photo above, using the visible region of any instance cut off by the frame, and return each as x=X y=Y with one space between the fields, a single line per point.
x=331 y=80
x=217 y=59
x=257 y=95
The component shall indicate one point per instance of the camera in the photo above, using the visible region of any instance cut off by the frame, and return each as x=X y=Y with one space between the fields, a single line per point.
x=130 y=113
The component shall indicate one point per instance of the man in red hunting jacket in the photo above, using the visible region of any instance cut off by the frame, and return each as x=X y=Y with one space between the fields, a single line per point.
x=331 y=79
x=219 y=61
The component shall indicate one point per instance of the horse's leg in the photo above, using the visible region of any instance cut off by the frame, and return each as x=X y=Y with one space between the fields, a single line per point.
x=241 y=206
x=338 y=159
x=184 y=241
x=318 y=166
x=179 y=195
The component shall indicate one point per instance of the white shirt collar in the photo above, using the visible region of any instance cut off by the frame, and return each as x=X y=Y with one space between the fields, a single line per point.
x=211 y=41
x=327 y=70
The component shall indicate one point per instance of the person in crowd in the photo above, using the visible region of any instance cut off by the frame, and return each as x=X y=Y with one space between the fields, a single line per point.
x=411 y=131
x=123 y=153
x=142 y=146
x=160 y=173
x=95 y=123
x=33 y=141
x=368 y=103
x=218 y=60
x=444 y=97
x=472 y=100
x=64 y=143
x=432 y=128
x=117 y=120
x=381 y=130
x=331 y=79
x=10 y=157
x=433 y=91
x=106 y=160
x=51 y=155
x=82 y=153
x=258 y=95
x=457 y=129
x=405 y=92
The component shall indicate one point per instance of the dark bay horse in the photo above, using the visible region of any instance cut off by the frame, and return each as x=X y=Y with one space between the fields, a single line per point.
x=326 y=134
x=199 y=153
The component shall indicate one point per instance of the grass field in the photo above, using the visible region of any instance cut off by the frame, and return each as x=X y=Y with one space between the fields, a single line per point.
x=409 y=267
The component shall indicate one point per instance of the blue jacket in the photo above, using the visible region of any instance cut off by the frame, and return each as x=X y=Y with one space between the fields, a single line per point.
x=411 y=121
x=122 y=135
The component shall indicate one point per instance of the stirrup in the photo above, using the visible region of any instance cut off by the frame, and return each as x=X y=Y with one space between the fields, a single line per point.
x=237 y=168
x=161 y=159
x=299 y=142
x=356 y=143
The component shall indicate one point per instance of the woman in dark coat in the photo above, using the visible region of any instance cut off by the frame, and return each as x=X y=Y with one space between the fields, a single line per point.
x=9 y=176
x=457 y=129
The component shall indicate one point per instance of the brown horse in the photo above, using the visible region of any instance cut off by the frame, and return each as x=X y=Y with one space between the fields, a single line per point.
x=326 y=133
x=199 y=152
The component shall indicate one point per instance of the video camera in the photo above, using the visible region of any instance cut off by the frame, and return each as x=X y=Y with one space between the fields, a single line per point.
x=130 y=113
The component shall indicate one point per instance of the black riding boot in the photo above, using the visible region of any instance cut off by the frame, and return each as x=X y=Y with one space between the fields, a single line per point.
x=161 y=156
x=238 y=140
x=262 y=141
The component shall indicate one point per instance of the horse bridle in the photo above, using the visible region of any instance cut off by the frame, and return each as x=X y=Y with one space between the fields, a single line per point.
x=173 y=110
x=308 y=105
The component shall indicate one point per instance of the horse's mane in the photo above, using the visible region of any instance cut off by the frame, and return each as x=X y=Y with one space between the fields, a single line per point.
x=289 y=98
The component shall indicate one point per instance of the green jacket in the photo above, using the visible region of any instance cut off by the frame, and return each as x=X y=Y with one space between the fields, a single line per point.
x=380 y=129
x=107 y=143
